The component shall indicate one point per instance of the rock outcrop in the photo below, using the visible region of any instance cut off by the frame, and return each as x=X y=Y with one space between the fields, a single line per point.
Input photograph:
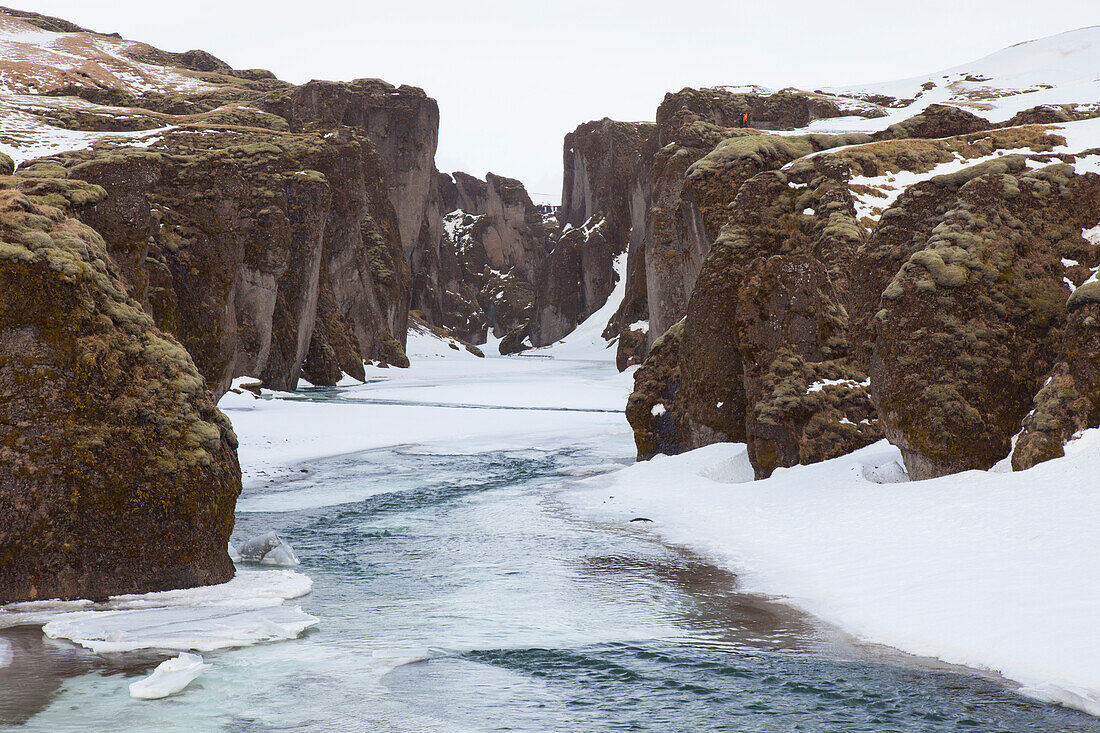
x=402 y=124
x=652 y=411
x=776 y=346
x=117 y=472
x=765 y=354
x=1069 y=400
x=937 y=120
x=687 y=195
x=490 y=258
x=228 y=239
x=969 y=326
x=603 y=203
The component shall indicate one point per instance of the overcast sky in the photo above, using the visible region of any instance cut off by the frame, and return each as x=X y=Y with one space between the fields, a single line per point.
x=512 y=77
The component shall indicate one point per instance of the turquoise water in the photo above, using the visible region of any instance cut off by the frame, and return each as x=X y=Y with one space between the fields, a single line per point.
x=455 y=593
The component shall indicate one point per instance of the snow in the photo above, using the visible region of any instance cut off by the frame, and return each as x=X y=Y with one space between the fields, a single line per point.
x=39 y=61
x=247 y=610
x=995 y=571
x=1059 y=69
x=25 y=136
x=443 y=394
x=1092 y=236
x=170 y=676
x=846 y=383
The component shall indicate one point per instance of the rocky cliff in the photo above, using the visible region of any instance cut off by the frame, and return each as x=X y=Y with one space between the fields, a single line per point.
x=681 y=205
x=117 y=472
x=491 y=254
x=205 y=223
x=603 y=203
x=271 y=228
x=834 y=309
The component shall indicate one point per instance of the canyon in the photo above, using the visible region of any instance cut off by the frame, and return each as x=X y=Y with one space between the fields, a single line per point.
x=807 y=272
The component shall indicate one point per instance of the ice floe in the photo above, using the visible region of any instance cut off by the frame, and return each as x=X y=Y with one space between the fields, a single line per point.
x=268 y=549
x=170 y=676
x=247 y=610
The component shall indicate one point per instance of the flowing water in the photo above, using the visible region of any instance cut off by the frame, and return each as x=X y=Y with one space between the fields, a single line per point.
x=456 y=593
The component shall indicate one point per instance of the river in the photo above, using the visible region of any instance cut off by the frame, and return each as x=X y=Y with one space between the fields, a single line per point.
x=457 y=592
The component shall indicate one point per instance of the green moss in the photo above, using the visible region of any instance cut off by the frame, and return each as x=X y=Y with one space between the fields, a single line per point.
x=759 y=148
x=1087 y=293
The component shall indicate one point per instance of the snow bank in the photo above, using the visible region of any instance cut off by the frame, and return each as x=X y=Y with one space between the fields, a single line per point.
x=170 y=677
x=989 y=570
x=1059 y=69
x=247 y=610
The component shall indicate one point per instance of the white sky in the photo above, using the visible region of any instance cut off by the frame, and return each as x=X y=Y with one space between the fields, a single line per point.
x=512 y=77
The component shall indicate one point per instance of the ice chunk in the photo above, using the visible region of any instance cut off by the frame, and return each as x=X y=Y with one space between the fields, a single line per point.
x=268 y=549
x=202 y=628
x=6 y=653
x=170 y=677
x=233 y=554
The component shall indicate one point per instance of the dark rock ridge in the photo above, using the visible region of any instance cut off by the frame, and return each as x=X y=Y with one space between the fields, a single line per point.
x=117 y=472
x=493 y=244
x=940 y=321
x=972 y=322
x=684 y=204
x=603 y=205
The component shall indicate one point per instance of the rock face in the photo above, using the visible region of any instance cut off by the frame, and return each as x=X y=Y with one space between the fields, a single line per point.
x=795 y=319
x=686 y=196
x=117 y=472
x=765 y=354
x=602 y=204
x=652 y=408
x=969 y=327
x=491 y=253
x=231 y=239
x=1069 y=401
x=402 y=123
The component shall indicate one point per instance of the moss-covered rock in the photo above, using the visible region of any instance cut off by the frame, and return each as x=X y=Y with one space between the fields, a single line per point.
x=227 y=235
x=651 y=410
x=969 y=327
x=1069 y=400
x=937 y=120
x=117 y=472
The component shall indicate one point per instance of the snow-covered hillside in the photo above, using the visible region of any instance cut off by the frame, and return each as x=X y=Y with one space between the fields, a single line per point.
x=1057 y=70
x=37 y=61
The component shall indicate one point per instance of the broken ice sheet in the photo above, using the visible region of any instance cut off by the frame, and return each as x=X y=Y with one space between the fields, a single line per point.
x=170 y=676
x=247 y=610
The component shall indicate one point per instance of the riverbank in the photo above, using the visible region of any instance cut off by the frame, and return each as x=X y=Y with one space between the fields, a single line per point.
x=993 y=571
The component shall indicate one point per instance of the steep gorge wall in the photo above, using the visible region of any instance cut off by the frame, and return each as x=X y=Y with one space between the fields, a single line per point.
x=601 y=204
x=118 y=474
x=808 y=333
x=229 y=239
